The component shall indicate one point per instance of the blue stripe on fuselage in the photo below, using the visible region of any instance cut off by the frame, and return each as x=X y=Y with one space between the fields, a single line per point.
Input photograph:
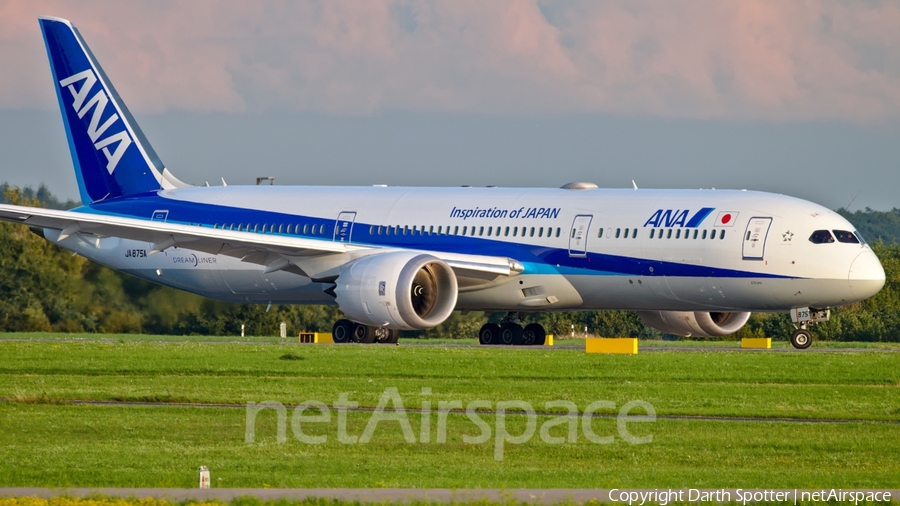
x=537 y=259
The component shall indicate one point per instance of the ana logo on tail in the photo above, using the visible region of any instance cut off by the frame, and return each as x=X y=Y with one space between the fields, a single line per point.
x=119 y=141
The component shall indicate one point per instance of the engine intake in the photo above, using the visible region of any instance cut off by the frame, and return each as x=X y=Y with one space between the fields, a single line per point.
x=695 y=323
x=401 y=290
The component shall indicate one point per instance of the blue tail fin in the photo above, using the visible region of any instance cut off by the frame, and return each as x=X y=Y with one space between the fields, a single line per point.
x=112 y=157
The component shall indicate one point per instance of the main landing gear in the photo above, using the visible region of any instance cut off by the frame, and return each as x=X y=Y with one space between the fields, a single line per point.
x=346 y=331
x=802 y=317
x=510 y=332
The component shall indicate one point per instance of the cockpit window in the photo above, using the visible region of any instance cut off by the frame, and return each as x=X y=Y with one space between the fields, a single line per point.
x=845 y=236
x=821 y=237
x=860 y=237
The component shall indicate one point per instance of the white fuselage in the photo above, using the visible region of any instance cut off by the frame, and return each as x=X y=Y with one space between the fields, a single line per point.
x=701 y=250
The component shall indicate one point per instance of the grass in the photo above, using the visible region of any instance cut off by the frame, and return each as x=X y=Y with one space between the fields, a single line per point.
x=162 y=447
x=856 y=385
x=560 y=341
x=46 y=442
x=125 y=338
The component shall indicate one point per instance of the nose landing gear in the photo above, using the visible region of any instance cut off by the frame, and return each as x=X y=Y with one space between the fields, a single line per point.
x=801 y=339
x=510 y=332
x=802 y=317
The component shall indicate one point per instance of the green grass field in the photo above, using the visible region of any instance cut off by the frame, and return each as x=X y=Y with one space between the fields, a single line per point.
x=850 y=399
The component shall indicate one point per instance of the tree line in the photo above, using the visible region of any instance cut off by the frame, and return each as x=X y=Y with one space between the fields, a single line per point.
x=46 y=288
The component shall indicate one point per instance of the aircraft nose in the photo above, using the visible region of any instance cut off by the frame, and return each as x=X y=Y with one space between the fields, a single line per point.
x=866 y=275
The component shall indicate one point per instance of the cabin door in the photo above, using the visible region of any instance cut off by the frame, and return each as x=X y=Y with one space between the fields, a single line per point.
x=755 y=238
x=579 y=234
x=343 y=227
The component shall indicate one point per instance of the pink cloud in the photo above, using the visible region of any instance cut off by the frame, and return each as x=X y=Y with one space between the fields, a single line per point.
x=760 y=60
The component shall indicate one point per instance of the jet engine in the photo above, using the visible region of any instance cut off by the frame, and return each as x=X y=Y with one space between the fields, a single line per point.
x=401 y=290
x=697 y=324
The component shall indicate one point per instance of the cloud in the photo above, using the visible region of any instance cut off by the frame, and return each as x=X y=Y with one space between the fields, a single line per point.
x=743 y=61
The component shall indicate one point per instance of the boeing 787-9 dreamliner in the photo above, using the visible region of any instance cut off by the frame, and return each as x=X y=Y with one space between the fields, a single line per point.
x=690 y=262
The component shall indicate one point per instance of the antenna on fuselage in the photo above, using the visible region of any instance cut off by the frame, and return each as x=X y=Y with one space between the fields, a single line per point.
x=634 y=184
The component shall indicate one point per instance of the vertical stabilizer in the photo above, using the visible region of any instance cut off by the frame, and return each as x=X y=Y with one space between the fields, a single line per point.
x=112 y=157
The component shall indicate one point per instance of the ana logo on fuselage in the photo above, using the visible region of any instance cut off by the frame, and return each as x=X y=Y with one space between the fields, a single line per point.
x=119 y=140
x=677 y=218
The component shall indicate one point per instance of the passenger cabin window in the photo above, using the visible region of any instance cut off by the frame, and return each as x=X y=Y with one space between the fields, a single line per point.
x=821 y=237
x=845 y=237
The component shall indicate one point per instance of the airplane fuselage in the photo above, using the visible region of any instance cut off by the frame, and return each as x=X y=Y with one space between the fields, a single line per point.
x=686 y=250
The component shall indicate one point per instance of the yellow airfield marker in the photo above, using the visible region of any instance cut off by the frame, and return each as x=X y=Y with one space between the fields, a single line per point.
x=618 y=345
x=756 y=342
x=315 y=337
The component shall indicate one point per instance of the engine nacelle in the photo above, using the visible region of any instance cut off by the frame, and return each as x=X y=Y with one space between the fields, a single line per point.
x=695 y=323
x=402 y=290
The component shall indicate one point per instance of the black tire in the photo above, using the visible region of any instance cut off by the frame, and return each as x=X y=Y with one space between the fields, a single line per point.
x=363 y=334
x=342 y=331
x=489 y=334
x=388 y=336
x=511 y=334
x=534 y=335
x=801 y=339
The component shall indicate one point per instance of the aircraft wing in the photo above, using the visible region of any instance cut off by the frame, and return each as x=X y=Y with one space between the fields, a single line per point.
x=272 y=250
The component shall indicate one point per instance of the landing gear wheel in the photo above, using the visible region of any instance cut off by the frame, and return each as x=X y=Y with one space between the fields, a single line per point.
x=511 y=333
x=386 y=336
x=489 y=334
x=342 y=332
x=363 y=334
x=533 y=334
x=801 y=339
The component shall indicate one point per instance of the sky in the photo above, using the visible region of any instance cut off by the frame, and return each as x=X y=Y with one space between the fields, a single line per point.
x=800 y=98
